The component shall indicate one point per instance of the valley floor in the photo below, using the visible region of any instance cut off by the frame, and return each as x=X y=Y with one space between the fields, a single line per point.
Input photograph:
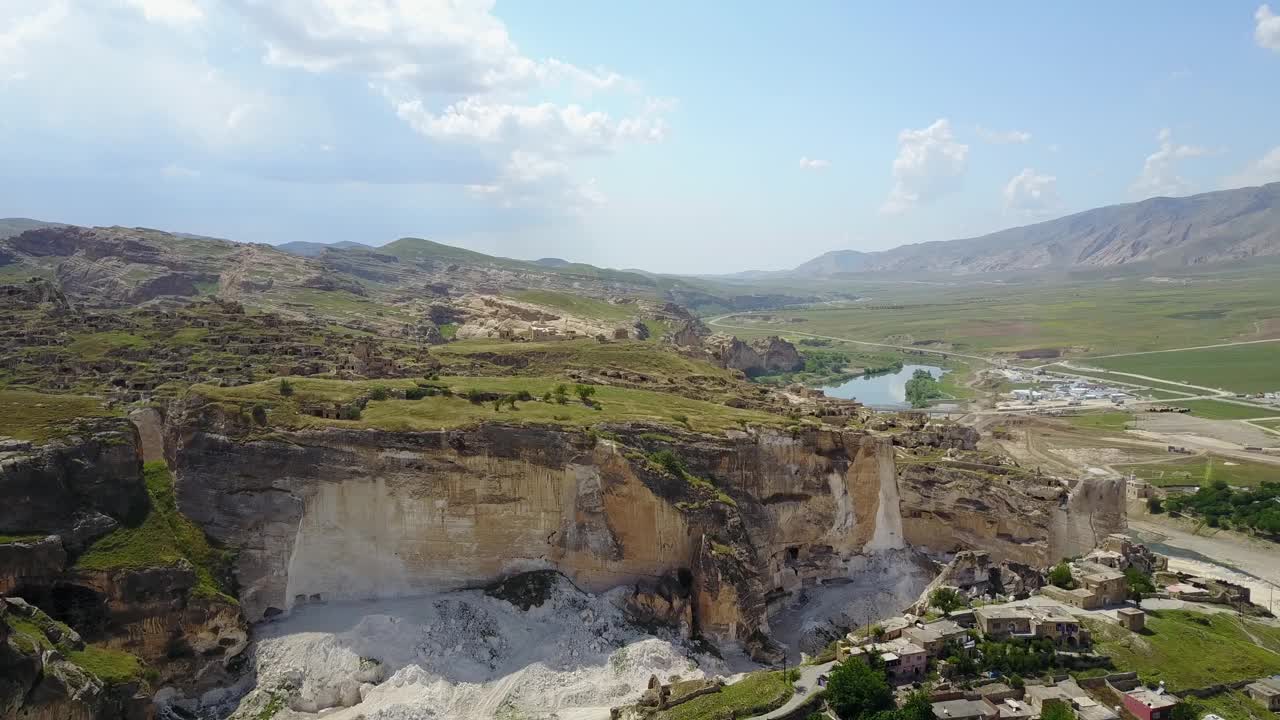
x=1224 y=555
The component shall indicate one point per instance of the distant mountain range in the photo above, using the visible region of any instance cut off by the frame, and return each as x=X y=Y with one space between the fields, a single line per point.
x=1162 y=232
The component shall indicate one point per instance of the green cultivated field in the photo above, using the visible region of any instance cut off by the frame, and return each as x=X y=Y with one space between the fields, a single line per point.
x=1202 y=470
x=1242 y=368
x=1078 y=318
x=1218 y=410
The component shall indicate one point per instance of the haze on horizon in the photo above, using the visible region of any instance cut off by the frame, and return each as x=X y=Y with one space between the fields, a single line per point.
x=749 y=137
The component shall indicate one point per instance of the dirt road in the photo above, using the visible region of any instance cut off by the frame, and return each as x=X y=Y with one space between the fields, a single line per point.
x=1224 y=555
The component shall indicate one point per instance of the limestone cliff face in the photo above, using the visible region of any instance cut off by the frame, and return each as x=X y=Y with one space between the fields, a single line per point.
x=1015 y=516
x=67 y=494
x=333 y=514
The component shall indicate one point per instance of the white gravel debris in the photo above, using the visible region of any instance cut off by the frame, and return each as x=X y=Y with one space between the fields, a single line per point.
x=463 y=655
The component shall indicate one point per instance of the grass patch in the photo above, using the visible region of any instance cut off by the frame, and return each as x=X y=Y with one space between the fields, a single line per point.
x=163 y=539
x=1188 y=650
x=1108 y=420
x=1202 y=470
x=1218 y=410
x=556 y=356
x=39 y=417
x=114 y=667
x=1241 y=368
x=437 y=412
x=577 y=305
x=755 y=694
x=98 y=345
x=1230 y=705
x=6 y=539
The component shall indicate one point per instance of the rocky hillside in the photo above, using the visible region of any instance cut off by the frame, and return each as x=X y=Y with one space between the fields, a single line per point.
x=1161 y=232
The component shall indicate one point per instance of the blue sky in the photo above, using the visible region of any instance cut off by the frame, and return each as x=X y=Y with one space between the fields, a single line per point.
x=673 y=136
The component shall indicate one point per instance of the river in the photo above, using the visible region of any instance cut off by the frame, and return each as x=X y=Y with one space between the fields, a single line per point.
x=887 y=390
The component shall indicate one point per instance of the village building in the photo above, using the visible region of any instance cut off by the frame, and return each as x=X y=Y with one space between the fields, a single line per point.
x=904 y=661
x=1001 y=622
x=1131 y=619
x=964 y=710
x=1148 y=704
x=1266 y=692
x=933 y=637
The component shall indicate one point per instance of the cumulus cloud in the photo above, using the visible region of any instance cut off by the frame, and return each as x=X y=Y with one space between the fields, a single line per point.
x=1160 y=170
x=929 y=164
x=808 y=163
x=1031 y=193
x=1267 y=31
x=567 y=130
x=453 y=73
x=1265 y=169
x=1003 y=137
x=169 y=12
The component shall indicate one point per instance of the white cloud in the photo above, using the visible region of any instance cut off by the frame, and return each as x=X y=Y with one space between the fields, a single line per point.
x=929 y=164
x=168 y=12
x=1031 y=193
x=1267 y=32
x=452 y=72
x=568 y=130
x=808 y=163
x=1265 y=169
x=1003 y=137
x=1160 y=171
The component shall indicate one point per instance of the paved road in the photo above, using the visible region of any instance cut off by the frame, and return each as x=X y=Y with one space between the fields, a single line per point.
x=806 y=686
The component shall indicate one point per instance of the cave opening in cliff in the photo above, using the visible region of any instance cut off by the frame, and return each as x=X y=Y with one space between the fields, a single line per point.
x=77 y=606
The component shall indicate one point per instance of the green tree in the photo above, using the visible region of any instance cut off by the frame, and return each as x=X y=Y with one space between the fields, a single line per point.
x=1139 y=583
x=922 y=388
x=1060 y=576
x=584 y=393
x=286 y=387
x=856 y=692
x=916 y=707
x=946 y=599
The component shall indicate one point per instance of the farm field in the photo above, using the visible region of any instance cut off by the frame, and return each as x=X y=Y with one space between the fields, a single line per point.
x=1218 y=410
x=1201 y=470
x=1072 y=318
x=1242 y=368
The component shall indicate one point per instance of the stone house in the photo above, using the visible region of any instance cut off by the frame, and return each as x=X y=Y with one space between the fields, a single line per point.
x=999 y=622
x=904 y=661
x=933 y=636
x=1266 y=691
x=1131 y=619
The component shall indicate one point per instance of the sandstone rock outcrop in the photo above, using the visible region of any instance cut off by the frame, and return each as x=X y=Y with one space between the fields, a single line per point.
x=954 y=505
x=761 y=356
